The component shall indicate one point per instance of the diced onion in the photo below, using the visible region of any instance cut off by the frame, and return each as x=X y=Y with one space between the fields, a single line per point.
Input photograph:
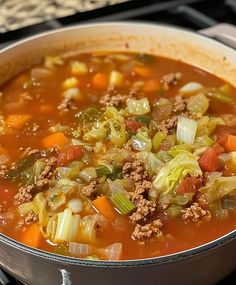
x=191 y=88
x=75 y=205
x=116 y=78
x=111 y=252
x=79 y=249
x=186 y=130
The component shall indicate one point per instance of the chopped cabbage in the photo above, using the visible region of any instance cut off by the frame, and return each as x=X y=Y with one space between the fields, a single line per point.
x=138 y=107
x=172 y=173
x=151 y=162
x=141 y=142
x=197 y=105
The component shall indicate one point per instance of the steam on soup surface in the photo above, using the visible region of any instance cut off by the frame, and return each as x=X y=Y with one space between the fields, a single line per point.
x=117 y=156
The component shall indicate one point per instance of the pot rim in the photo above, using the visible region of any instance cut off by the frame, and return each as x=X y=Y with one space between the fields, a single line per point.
x=179 y=256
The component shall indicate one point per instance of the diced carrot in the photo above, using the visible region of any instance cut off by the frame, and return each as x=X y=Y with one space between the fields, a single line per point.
x=209 y=161
x=70 y=153
x=143 y=71
x=32 y=236
x=230 y=143
x=17 y=121
x=189 y=185
x=100 y=81
x=104 y=207
x=45 y=108
x=132 y=126
x=55 y=139
x=151 y=85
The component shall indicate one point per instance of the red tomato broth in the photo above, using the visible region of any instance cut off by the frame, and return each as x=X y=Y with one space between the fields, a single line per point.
x=181 y=236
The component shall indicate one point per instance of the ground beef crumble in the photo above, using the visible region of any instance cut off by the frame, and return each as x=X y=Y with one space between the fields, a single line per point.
x=195 y=214
x=168 y=125
x=180 y=104
x=145 y=209
x=170 y=79
x=135 y=170
x=90 y=189
x=147 y=231
x=29 y=219
x=66 y=105
x=25 y=193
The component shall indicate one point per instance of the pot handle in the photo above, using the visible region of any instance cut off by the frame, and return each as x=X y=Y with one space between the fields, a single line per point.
x=225 y=33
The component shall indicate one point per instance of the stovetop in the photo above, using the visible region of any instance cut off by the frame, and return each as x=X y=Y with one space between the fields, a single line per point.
x=19 y=19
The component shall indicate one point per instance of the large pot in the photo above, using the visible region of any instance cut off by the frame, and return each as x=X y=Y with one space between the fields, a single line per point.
x=205 y=264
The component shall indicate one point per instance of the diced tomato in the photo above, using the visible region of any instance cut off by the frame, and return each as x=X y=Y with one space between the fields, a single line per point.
x=69 y=154
x=132 y=126
x=189 y=185
x=209 y=161
x=218 y=148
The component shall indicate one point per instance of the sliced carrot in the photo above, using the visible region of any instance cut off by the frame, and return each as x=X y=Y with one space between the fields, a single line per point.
x=100 y=81
x=55 y=139
x=104 y=207
x=151 y=85
x=143 y=71
x=17 y=121
x=32 y=236
x=230 y=143
x=45 y=108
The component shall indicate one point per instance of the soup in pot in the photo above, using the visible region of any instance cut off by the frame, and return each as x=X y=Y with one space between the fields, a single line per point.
x=117 y=156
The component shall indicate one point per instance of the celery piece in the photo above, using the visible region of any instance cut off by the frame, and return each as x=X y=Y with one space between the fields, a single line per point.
x=182 y=200
x=151 y=162
x=177 y=149
x=157 y=139
x=174 y=211
x=138 y=107
x=59 y=128
x=88 y=174
x=89 y=115
x=163 y=156
x=220 y=96
x=141 y=142
x=197 y=105
x=103 y=170
x=122 y=203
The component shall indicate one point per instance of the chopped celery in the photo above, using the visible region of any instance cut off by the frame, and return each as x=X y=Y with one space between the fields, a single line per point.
x=197 y=105
x=122 y=203
x=96 y=134
x=174 y=211
x=206 y=125
x=141 y=142
x=116 y=78
x=186 y=130
x=221 y=95
x=117 y=133
x=157 y=139
x=78 y=68
x=182 y=200
x=163 y=156
x=88 y=174
x=138 y=107
x=229 y=204
x=203 y=141
x=66 y=185
x=89 y=115
x=67 y=226
x=104 y=170
x=218 y=187
x=58 y=128
x=151 y=162
x=177 y=149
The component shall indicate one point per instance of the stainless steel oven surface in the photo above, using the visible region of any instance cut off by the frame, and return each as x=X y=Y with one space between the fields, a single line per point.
x=20 y=19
